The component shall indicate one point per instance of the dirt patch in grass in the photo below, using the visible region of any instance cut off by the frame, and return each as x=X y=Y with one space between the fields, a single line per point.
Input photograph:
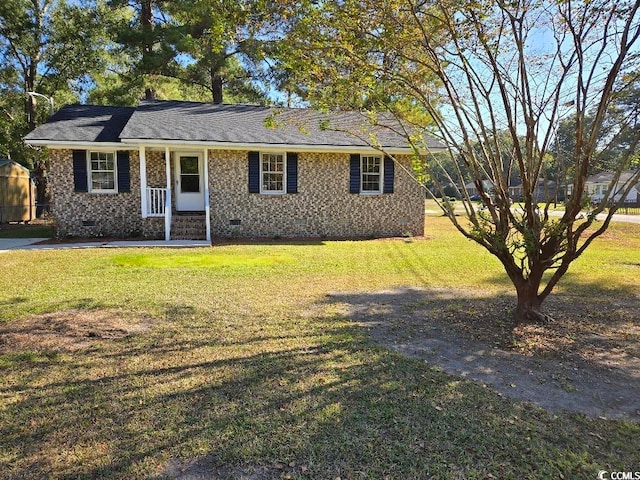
x=209 y=468
x=586 y=360
x=68 y=331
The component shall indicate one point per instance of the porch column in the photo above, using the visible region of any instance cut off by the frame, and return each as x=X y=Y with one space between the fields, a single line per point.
x=167 y=204
x=207 y=209
x=143 y=182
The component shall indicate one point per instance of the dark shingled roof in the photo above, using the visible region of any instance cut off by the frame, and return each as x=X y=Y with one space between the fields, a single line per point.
x=204 y=122
x=193 y=122
x=84 y=123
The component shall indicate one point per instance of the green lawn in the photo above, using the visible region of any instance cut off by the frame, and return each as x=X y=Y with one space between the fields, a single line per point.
x=248 y=358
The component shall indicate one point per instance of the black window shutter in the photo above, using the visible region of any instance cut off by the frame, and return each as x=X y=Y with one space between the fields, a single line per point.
x=354 y=173
x=292 y=172
x=80 y=183
x=254 y=172
x=389 y=173
x=124 y=175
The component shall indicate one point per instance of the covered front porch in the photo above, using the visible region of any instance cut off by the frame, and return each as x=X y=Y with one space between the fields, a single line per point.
x=174 y=186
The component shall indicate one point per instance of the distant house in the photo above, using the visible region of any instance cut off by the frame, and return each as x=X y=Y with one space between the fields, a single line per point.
x=544 y=191
x=17 y=193
x=596 y=187
x=471 y=188
x=173 y=169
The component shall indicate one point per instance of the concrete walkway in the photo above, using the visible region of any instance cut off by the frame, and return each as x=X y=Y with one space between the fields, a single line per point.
x=617 y=217
x=18 y=243
x=7 y=244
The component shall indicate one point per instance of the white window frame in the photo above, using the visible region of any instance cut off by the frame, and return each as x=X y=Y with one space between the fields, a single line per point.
x=284 y=174
x=362 y=174
x=90 y=172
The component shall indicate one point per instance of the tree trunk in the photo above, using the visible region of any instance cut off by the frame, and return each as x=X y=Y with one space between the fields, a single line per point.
x=39 y=166
x=146 y=19
x=30 y=81
x=30 y=110
x=40 y=170
x=529 y=306
x=216 y=87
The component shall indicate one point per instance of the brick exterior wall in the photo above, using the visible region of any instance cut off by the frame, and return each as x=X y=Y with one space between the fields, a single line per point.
x=323 y=205
x=322 y=208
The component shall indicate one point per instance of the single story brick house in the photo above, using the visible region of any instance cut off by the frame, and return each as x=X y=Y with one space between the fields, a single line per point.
x=169 y=169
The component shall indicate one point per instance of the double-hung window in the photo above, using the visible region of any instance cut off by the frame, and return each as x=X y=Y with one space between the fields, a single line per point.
x=272 y=173
x=102 y=172
x=371 y=174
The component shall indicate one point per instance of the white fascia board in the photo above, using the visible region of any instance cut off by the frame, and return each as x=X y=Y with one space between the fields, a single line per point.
x=69 y=144
x=136 y=142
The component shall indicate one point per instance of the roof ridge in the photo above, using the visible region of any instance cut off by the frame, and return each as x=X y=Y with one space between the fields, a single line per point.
x=95 y=105
x=194 y=102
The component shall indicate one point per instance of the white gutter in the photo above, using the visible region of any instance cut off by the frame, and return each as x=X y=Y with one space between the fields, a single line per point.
x=136 y=143
x=65 y=144
x=267 y=146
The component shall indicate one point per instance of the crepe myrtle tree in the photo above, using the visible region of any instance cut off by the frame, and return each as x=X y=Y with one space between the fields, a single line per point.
x=492 y=79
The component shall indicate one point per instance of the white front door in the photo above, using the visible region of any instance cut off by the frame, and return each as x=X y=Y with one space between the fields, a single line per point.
x=189 y=180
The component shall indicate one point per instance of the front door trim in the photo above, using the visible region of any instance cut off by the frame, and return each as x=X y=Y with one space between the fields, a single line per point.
x=187 y=198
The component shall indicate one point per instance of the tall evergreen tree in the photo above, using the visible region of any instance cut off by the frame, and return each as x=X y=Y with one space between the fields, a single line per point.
x=215 y=45
x=47 y=47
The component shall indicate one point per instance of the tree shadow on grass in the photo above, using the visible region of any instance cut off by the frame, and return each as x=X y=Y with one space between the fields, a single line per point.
x=575 y=363
x=318 y=403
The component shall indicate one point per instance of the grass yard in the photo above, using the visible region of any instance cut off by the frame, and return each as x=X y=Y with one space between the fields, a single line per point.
x=242 y=361
x=37 y=229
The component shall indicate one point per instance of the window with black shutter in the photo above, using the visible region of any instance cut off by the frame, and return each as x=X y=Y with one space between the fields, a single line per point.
x=371 y=174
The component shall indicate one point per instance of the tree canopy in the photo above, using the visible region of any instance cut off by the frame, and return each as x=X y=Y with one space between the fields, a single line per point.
x=492 y=80
x=214 y=47
x=48 y=47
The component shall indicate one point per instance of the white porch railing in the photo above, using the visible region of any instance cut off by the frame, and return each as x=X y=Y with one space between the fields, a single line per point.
x=156 y=200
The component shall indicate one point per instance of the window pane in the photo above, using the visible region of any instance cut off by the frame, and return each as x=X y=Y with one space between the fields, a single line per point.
x=102 y=171
x=189 y=183
x=272 y=172
x=272 y=182
x=189 y=165
x=370 y=164
x=370 y=183
x=103 y=181
x=371 y=173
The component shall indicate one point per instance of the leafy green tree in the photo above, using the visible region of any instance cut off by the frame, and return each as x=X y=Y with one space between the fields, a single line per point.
x=217 y=34
x=145 y=51
x=48 y=47
x=468 y=71
x=213 y=46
